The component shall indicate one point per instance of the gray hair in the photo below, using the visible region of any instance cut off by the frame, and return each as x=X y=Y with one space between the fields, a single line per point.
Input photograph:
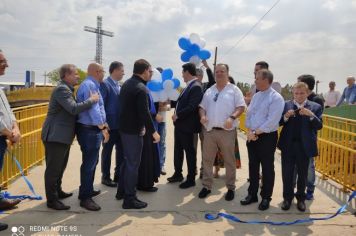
x=199 y=71
x=266 y=74
x=66 y=69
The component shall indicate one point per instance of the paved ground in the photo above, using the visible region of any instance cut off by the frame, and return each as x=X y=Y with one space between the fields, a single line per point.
x=173 y=211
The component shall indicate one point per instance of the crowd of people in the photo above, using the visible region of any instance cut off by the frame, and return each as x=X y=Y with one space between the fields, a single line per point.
x=104 y=113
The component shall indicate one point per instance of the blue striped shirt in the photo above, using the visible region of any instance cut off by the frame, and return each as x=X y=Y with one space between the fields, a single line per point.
x=96 y=114
x=265 y=111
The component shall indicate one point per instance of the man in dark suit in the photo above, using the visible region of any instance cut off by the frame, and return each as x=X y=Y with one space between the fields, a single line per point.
x=110 y=90
x=58 y=133
x=187 y=122
x=298 y=142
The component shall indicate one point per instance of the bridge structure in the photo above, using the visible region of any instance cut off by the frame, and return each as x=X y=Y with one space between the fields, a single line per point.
x=172 y=211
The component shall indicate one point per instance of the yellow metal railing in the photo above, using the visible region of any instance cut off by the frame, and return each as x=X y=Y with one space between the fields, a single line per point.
x=30 y=150
x=40 y=93
x=337 y=154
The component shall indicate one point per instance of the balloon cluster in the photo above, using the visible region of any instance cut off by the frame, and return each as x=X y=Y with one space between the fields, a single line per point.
x=193 y=49
x=163 y=86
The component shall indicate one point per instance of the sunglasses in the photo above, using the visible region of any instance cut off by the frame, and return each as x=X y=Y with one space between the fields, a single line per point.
x=216 y=97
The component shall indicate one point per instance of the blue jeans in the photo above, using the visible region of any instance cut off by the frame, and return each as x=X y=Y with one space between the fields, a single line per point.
x=162 y=143
x=89 y=141
x=106 y=155
x=3 y=147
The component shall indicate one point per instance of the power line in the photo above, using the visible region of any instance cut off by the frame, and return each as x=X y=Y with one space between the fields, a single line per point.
x=252 y=28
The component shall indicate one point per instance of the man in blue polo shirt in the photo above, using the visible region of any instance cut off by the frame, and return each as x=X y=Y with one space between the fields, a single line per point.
x=91 y=130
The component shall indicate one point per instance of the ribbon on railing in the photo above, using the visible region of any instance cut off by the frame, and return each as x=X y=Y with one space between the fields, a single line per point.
x=300 y=221
x=22 y=197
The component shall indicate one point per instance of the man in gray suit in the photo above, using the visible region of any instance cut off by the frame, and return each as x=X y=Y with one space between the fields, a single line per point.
x=58 y=133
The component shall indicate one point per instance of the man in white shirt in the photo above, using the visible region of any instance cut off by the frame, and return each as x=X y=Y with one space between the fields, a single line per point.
x=332 y=96
x=221 y=105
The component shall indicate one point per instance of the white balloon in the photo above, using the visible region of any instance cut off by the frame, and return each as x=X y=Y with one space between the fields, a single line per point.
x=168 y=85
x=156 y=75
x=155 y=96
x=163 y=96
x=202 y=43
x=195 y=60
x=173 y=95
x=194 y=38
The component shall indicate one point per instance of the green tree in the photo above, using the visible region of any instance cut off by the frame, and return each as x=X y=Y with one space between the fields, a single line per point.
x=287 y=92
x=245 y=87
x=54 y=75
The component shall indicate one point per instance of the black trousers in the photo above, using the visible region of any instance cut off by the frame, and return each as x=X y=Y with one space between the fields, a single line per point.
x=261 y=152
x=291 y=160
x=183 y=142
x=56 y=162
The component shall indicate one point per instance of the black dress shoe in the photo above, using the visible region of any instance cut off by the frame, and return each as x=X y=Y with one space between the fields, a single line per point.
x=119 y=196
x=149 y=189
x=301 y=205
x=95 y=193
x=109 y=182
x=175 y=178
x=134 y=204
x=187 y=184
x=286 y=205
x=62 y=194
x=264 y=205
x=248 y=200
x=57 y=205
x=204 y=192
x=6 y=204
x=230 y=195
x=3 y=226
x=90 y=205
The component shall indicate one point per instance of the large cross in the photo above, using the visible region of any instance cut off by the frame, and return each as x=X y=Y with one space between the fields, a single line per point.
x=99 y=38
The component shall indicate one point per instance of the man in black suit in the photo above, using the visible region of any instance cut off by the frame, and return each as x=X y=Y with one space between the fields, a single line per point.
x=298 y=142
x=58 y=133
x=186 y=122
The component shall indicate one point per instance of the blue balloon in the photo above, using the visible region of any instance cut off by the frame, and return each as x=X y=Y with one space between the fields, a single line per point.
x=184 y=43
x=176 y=83
x=154 y=86
x=186 y=56
x=167 y=74
x=204 y=54
x=194 y=49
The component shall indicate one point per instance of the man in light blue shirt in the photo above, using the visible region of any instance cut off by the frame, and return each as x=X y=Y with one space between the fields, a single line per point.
x=262 y=121
x=91 y=129
x=349 y=94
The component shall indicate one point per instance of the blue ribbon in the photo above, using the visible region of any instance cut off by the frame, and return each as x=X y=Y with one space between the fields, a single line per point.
x=22 y=197
x=300 y=221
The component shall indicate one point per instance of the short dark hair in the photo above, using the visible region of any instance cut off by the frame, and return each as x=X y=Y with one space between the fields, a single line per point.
x=140 y=66
x=115 y=65
x=159 y=69
x=266 y=74
x=262 y=64
x=309 y=80
x=231 y=80
x=226 y=66
x=191 y=68
x=66 y=69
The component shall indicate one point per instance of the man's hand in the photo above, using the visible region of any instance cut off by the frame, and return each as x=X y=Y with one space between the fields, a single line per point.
x=15 y=135
x=306 y=112
x=106 y=135
x=156 y=137
x=228 y=123
x=251 y=136
x=289 y=113
x=174 y=117
x=159 y=118
x=94 y=96
x=205 y=64
x=204 y=120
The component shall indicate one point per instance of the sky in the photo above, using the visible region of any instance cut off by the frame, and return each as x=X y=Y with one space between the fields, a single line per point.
x=315 y=37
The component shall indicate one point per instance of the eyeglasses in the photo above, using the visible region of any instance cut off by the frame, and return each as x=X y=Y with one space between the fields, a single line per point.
x=216 y=97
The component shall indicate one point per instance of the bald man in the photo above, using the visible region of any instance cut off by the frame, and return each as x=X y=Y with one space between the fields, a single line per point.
x=91 y=130
x=349 y=94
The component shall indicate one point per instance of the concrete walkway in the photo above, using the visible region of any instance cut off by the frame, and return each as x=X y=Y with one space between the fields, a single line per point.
x=172 y=211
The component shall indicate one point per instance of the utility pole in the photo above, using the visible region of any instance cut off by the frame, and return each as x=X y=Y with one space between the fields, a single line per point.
x=45 y=78
x=99 y=38
x=215 y=57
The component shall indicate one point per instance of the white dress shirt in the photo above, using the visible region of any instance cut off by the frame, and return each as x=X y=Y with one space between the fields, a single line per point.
x=220 y=105
x=331 y=98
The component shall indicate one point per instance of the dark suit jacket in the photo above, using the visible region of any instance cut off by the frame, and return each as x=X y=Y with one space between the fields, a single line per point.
x=110 y=91
x=187 y=109
x=309 y=129
x=59 y=125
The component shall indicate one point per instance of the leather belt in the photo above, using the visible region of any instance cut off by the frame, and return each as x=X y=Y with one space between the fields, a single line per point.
x=91 y=127
x=217 y=128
